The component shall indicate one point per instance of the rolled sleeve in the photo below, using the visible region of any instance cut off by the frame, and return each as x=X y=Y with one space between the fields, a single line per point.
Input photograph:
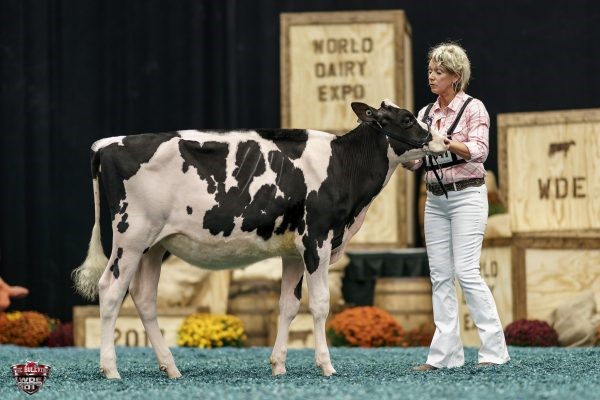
x=478 y=125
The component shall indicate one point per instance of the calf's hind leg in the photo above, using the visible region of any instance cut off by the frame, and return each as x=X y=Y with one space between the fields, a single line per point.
x=143 y=290
x=112 y=287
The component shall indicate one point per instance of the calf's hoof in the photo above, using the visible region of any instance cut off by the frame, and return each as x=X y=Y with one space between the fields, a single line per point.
x=172 y=372
x=278 y=369
x=327 y=369
x=110 y=373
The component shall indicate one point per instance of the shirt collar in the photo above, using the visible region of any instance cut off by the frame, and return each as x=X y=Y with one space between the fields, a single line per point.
x=455 y=104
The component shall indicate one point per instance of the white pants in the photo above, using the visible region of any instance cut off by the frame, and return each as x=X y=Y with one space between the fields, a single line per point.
x=454 y=229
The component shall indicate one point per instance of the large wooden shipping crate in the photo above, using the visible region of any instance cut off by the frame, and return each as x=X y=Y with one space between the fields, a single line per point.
x=530 y=275
x=552 y=268
x=253 y=302
x=548 y=169
x=331 y=59
x=129 y=330
x=408 y=299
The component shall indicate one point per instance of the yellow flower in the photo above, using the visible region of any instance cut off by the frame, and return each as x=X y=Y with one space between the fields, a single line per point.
x=13 y=316
x=211 y=330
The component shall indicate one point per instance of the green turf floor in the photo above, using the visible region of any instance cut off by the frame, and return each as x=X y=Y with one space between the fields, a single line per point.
x=385 y=373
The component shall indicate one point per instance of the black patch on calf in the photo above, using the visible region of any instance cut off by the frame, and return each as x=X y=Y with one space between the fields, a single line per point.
x=95 y=161
x=259 y=213
x=266 y=206
x=120 y=162
x=115 y=267
x=355 y=175
x=337 y=239
x=298 y=289
x=209 y=159
x=291 y=142
x=290 y=181
x=231 y=203
x=189 y=210
x=311 y=254
x=123 y=208
x=123 y=225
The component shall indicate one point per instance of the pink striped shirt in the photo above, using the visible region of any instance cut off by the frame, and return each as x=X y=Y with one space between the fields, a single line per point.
x=472 y=130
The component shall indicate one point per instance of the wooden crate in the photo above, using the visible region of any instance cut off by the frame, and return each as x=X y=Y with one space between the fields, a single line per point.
x=129 y=330
x=407 y=299
x=301 y=334
x=330 y=59
x=548 y=169
x=551 y=268
x=253 y=302
x=496 y=269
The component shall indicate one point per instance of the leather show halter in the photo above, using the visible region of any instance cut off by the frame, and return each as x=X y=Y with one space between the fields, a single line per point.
x=413 y=143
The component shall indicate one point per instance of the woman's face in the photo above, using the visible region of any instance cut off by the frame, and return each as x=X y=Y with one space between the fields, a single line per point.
x=440 y=80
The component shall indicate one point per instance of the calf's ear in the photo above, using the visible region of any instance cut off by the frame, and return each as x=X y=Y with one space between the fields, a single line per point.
x=364 y=112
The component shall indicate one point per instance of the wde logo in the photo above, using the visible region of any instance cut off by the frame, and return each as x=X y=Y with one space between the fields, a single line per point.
x=30 y=376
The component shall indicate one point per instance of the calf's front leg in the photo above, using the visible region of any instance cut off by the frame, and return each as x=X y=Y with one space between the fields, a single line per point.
x=318 y=300
x=289 y=303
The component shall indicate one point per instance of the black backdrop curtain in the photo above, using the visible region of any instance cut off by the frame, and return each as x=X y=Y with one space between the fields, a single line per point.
x=74 y=71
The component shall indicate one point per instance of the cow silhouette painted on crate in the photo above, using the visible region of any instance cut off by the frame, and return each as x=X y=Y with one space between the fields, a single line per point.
x=226 y=199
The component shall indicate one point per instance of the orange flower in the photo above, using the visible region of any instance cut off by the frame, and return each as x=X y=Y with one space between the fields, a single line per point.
x=365 y=327
x=28 y=328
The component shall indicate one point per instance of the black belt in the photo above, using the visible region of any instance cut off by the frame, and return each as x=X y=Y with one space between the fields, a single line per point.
x=436 y=189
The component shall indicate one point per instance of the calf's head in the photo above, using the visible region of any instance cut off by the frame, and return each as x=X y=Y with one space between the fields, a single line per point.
x=409 y=138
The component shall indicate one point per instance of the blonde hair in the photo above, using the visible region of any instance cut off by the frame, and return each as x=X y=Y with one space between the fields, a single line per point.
x=453 y=58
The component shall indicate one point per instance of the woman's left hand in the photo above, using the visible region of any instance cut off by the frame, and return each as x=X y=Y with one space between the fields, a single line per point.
x=458 y=148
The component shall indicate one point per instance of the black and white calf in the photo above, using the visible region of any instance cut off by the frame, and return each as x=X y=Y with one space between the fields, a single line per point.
x=226 y=199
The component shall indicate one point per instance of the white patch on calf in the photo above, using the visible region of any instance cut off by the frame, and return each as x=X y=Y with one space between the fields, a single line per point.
x=388 y=102
x=315 y=159
x=239 y=249
x=98 y=144
x=267 y=178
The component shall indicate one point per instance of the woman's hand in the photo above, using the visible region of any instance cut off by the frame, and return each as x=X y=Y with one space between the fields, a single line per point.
x=458 y=148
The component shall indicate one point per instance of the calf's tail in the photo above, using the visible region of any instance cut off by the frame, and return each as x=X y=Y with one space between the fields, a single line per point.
x=87 y=275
